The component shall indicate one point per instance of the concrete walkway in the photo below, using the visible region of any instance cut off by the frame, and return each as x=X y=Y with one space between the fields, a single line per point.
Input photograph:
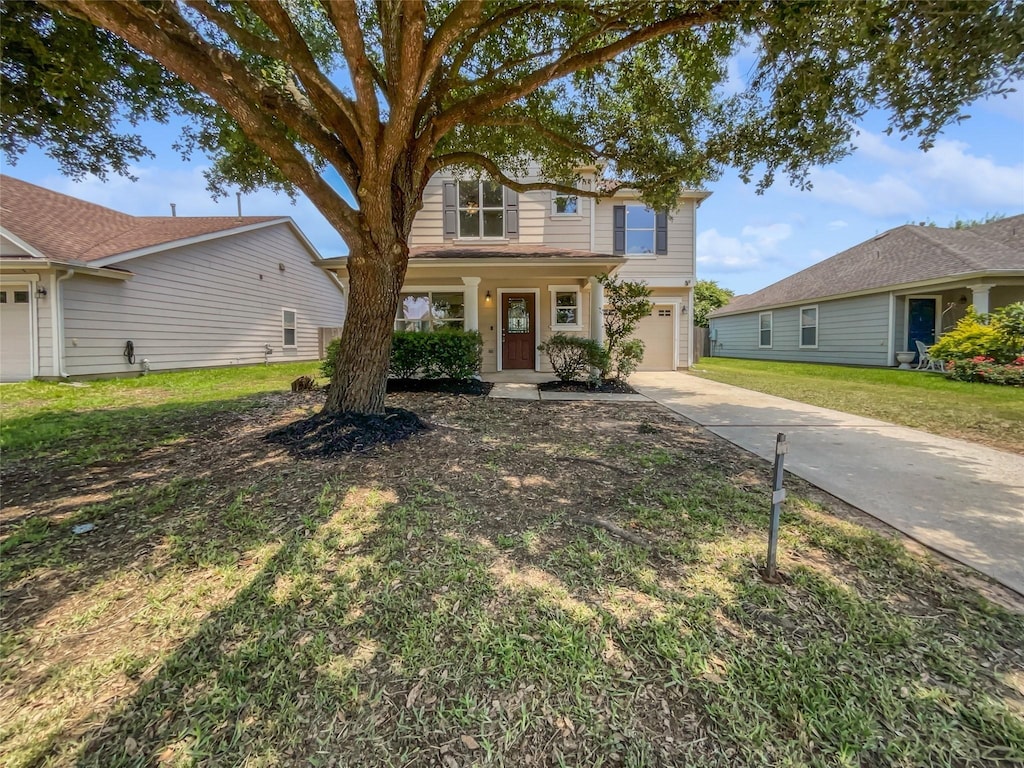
x=960 y=498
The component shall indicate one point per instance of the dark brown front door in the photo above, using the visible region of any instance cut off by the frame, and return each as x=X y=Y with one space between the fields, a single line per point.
x=518 y=331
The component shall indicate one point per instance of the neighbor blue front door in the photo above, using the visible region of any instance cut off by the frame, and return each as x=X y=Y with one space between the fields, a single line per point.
x=921 y=325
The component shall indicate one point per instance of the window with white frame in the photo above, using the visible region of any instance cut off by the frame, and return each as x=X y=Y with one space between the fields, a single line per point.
x=565 y=308
x=640 y=222
x=764 y=322
x=430 y=310
x=481 y=209
x=288 y=327
x=565 y=205
x=809 y=326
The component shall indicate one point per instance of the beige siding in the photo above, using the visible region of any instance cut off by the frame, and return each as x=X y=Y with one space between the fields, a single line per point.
x=8 y=248
x=677 y=266
x=428 y=226
x=214 y=303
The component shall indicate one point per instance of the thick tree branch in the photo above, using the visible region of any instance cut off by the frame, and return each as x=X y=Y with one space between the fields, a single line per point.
x=461 y=20
x=486 y=164
x=165 y=36
x=492 y=100
x=344 y=17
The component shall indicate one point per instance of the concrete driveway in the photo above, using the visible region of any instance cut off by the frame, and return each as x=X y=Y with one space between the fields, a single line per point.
x=963 y=499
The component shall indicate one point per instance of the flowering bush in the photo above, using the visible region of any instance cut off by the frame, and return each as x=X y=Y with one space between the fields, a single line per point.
x=987 y=370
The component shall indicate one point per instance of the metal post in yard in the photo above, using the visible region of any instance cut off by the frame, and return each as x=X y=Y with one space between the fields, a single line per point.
x=778 y=496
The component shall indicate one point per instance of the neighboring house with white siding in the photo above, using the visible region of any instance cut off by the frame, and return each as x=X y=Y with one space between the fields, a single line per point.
x=79 y=281
x=522 y=267
x=862 y=306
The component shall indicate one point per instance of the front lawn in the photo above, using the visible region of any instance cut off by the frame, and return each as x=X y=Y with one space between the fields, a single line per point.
x=524 y=584
x=984 y=413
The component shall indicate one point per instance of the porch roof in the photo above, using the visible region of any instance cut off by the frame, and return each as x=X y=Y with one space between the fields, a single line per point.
x=495 y=254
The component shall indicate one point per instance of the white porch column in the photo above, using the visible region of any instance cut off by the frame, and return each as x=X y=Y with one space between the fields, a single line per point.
x=596 y=310
x=471 y=303
x=979 y=293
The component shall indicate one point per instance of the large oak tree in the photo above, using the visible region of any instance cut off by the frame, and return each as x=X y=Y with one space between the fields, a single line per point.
x=295 y=93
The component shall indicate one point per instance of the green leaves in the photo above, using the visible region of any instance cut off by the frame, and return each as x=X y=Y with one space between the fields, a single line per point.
x=707 y=297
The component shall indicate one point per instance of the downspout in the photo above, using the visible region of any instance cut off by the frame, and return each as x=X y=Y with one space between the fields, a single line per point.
x=58 y=323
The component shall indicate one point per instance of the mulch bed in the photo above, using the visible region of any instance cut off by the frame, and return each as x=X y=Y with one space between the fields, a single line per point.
x=613 y=386
x=326 y=435
x=443 y=386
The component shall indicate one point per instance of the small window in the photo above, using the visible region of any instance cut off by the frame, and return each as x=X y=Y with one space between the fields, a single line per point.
x=809 y=327
x=3 y=297
x=765 y=326
x=565 y=205
x=481 y=209
x=664 y=313
x=21 y=297
x=639 y=231
x=565 y=307
x=288 y=326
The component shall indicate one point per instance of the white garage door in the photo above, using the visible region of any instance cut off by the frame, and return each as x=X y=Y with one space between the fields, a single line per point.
x=15 y=334
x=656 y=331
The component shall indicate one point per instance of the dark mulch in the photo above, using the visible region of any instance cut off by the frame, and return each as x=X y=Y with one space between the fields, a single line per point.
x=326 y=435
x=611 y=385
x=448 y=386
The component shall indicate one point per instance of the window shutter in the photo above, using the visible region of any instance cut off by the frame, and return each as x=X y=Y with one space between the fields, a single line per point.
x=619 y=224
x=511 y=214
x=661 y=233
x=451 y=211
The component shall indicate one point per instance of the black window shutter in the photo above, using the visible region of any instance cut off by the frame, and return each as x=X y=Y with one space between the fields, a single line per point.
x=661 y=233
x=451 y=211
x=511 y=214
x=619 y=225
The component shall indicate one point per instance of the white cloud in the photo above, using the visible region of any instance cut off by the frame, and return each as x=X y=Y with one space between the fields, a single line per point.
x=1010 y=105
x=837 y=224
x=721 y=252
x=914 y=183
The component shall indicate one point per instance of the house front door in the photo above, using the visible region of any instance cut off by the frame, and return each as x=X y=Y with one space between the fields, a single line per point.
x=920 y=323
x=518 y=331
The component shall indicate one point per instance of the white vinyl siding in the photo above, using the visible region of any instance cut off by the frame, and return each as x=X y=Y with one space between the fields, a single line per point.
x=210 y=304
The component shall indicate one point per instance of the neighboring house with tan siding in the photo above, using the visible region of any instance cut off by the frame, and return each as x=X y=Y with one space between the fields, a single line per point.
x=862 y=306
x=78 y=281
x=522 y=267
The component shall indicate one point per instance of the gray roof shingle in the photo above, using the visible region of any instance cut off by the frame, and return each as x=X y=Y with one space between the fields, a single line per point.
x=900 y=256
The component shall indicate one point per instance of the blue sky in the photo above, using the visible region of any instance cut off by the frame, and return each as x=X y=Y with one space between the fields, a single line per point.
x=745 y=241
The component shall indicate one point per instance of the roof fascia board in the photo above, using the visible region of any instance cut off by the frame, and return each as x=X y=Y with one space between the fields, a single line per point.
x=899 y=288
x=182 y=242
x=78 y=267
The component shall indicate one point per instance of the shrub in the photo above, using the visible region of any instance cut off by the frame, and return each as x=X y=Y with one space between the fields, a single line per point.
x=1009 y=321
x=443 y=354
x=629 y=357
x=572 y=357
x=969 y=338
x=988 y=371
x=626 y=304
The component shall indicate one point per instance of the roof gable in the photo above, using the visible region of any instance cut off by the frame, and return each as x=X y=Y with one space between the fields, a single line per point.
x=900 y=256
x=65 y=228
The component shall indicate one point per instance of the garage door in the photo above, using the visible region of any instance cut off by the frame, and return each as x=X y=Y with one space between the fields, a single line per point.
x=656 y=331
x=15 y=334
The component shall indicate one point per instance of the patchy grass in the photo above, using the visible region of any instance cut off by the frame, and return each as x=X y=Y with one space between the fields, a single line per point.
x=450 y=601
x=983 y=413
x=110 y=419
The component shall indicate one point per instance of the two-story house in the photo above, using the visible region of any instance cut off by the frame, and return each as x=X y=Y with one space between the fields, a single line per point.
x=521 y=267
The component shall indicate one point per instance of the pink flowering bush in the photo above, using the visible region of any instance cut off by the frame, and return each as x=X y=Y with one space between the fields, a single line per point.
x=986 y=370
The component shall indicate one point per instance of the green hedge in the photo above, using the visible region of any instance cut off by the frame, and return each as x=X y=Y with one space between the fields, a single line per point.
x=442 y=354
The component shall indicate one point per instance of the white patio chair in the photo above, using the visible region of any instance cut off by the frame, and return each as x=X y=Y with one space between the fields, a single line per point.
x=926 y=362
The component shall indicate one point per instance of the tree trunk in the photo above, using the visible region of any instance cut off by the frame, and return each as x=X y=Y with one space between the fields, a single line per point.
x=360 y=377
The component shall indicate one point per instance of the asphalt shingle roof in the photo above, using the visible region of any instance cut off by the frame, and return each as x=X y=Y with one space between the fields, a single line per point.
x=65 y=228
x=907 y=254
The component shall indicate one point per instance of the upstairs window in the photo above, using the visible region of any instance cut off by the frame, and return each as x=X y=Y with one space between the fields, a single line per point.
x=639 y=231
x=565 y=205
x=809 y=326
x=481 y=209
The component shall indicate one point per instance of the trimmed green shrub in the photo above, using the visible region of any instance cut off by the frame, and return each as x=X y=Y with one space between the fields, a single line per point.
x=628 y=358
x=988 y=371
x=442 y=354
x=969 y=338
x=572 y=357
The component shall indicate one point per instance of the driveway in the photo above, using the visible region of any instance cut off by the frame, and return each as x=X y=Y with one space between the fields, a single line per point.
x=963 y=499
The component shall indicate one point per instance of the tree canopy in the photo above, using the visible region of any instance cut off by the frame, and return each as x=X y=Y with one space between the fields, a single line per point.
x=385 y=93
x=708 y=296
